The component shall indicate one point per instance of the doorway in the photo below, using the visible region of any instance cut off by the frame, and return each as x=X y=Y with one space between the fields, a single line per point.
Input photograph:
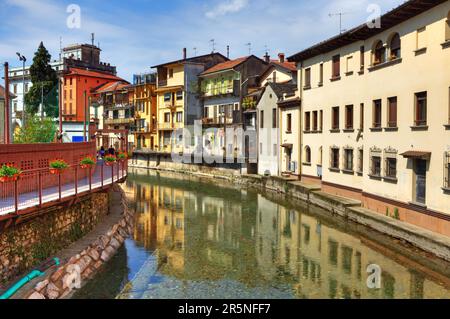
x=420 y=173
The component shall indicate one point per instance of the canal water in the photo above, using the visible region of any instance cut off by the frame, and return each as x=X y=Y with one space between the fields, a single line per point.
x=193 y=239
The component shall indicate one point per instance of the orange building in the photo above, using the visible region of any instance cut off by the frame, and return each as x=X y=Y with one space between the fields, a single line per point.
x=77 y=87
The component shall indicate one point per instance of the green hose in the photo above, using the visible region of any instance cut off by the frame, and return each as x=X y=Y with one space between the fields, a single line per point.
x=34 y=274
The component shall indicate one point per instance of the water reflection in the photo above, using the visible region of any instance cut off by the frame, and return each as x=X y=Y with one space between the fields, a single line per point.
x=209 y=242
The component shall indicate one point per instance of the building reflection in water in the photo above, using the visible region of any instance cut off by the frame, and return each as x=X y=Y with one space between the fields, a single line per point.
x=200 y=232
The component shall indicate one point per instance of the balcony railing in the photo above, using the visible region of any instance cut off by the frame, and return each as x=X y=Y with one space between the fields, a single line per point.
x=119 y=121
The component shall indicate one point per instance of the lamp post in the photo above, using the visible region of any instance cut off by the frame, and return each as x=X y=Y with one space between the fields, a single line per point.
x=23 y=59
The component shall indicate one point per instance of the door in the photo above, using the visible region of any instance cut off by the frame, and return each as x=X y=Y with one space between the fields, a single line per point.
x=420 y=170
x=288 y=160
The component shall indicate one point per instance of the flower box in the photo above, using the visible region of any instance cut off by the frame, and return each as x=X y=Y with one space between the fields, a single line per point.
x=9 y=173
x=57 y=166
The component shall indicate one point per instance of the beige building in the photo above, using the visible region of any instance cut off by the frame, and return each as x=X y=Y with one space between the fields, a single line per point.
x=376 y=114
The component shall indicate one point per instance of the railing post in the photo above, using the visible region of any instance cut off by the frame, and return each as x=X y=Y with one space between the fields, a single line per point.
x=112 y=173
x=40 y=188
x=118 y=170
x=101 y=173
x=90 y=178
x=76 y=180
x=59 y=185
x=16 y=196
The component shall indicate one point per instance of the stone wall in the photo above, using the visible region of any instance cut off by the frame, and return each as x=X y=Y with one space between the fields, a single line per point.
x=59 y=283
x=27 y=244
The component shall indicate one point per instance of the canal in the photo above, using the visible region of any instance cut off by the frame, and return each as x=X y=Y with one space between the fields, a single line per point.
x=193 y=239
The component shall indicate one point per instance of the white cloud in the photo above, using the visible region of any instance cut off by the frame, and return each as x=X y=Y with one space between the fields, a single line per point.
x=226 y=7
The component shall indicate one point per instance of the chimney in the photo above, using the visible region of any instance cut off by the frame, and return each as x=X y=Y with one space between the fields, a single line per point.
x=281 y=57
x=228 y=51
x=184 y=53
x=267 y=57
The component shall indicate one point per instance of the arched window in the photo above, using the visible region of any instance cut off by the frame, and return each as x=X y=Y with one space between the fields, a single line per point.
x=447 y=27
x=395 y=47
x=379 y=53
x=307 y=154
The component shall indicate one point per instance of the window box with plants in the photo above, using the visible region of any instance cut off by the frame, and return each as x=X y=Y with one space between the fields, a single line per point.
x=110 y=160
x=87 y=162
x=122 y=156
x=58 y=166
x=9 y=173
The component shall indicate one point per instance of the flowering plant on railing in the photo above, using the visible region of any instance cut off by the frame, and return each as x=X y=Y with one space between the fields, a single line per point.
x=9 y=173
x=57 y=166
x=87 y=162
x=122 y=156
x=109 y=160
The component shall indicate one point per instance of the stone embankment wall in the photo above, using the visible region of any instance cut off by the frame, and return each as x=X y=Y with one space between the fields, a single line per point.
x=83 y=266
x=27 y=244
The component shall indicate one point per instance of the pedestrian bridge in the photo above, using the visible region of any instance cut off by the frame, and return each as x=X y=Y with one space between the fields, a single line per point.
x=37 y=188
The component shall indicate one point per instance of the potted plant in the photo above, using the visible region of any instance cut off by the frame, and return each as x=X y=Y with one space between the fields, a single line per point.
x=57 y=166
x=9 y=173
x=110 y=160
x=122 y=156
x=87 y=162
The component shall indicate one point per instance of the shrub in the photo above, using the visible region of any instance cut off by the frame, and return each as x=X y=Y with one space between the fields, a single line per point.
x=9 y=171
x=110 y=158
x=87 y=161
x=58 y=164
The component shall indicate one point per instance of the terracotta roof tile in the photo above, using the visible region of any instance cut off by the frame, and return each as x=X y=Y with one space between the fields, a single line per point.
x=225 y=65
x=291 y=66
x=111 y=87
x=95 y=74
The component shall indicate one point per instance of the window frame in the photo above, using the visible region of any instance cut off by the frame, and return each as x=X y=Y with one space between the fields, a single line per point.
x=349 y=118
x=307 y=121
x=377 y=111
x=421 y=110
x=392 y=102
x=334 y=158
x=335 y=118
x=336 y=67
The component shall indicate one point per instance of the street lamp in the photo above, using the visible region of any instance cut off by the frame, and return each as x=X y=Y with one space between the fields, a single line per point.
x=23 y=59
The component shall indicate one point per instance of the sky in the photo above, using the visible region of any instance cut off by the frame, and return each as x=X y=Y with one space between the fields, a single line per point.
x=136 y=34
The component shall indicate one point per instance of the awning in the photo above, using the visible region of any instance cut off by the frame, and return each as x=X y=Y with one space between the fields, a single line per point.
x=416 y=154
x=287 y=145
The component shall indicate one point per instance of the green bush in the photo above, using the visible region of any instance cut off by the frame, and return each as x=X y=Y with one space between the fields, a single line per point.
x=59 y=164
x=9 y=171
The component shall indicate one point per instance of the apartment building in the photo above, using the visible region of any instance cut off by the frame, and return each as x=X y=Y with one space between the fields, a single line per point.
x=144 y=100
x=178 y=103
x=376 y=114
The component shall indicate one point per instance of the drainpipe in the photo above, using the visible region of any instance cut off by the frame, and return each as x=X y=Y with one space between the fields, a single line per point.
x=7 y=103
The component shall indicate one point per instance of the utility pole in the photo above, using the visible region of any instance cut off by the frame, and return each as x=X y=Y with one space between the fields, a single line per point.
x=60 y=95
x=7 y=114
x=23 y=59
x=85 y=116
x=213 y=43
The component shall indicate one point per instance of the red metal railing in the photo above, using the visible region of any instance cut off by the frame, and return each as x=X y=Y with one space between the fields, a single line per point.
x=37 y=187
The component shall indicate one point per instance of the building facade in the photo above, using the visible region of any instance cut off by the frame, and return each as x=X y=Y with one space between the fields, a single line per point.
x=376 y=114
x=178 y=103
x=144 y=100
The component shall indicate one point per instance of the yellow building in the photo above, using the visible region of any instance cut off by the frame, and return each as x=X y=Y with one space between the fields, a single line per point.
x=375 y=107
x=178 y=103
x=144 y=100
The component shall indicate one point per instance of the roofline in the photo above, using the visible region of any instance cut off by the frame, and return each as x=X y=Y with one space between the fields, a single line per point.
x=274 y=65
x=231 y=68
x=390 y=19
x=182 y=61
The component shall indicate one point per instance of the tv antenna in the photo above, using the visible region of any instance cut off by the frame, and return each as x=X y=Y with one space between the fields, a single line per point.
x=340 y=14
x=249 y=48
x=195 y=51
x=213 y=44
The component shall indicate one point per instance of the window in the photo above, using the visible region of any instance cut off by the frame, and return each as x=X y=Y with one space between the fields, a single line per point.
x=274 y=118
x=307 y=155
x=179 y=95
x=315 y=121
x=336 y=72
x=391 y=167
x=334 y=158
x=167 y=97
x=349 y=65
x=375 y=169
x=179 y=117
x=170 y=73
x=395 y=47
x=421 y=39
x=348 y=159
x=307 y=121
x=392 y=112
x=361 y=161
x=349 y=117
x=307 y=78
x=447 y=170
x=321 y=120
x=335 y=118
x=26 y=87
x=379 y=53
x=421 y=109
x=167 y=117
x=376 y=114
x=261 y=120
x=361 y=116
x=447 y=27
x=361 y=58
x=321 y=74
x=289 y=123
x=15 y=89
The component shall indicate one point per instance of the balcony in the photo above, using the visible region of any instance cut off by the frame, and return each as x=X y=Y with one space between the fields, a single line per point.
x=118 y=106
x=169 y=126
x=219 y=90
x=219 y=120
x=119 y=121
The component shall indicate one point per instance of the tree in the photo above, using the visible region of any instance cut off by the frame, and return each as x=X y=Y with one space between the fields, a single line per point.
x=45 y=84
x=36 y=130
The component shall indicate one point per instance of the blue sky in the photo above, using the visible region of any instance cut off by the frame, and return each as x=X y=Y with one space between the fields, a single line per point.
x=136 y=34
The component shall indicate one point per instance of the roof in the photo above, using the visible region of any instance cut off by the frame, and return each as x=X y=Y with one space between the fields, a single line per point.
x=112 y=87
x=228 y=65
x=2 y=93
x=94 y=74
x=283 y=88
x=191 y=59
x=291 y=66
x=392 y=18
